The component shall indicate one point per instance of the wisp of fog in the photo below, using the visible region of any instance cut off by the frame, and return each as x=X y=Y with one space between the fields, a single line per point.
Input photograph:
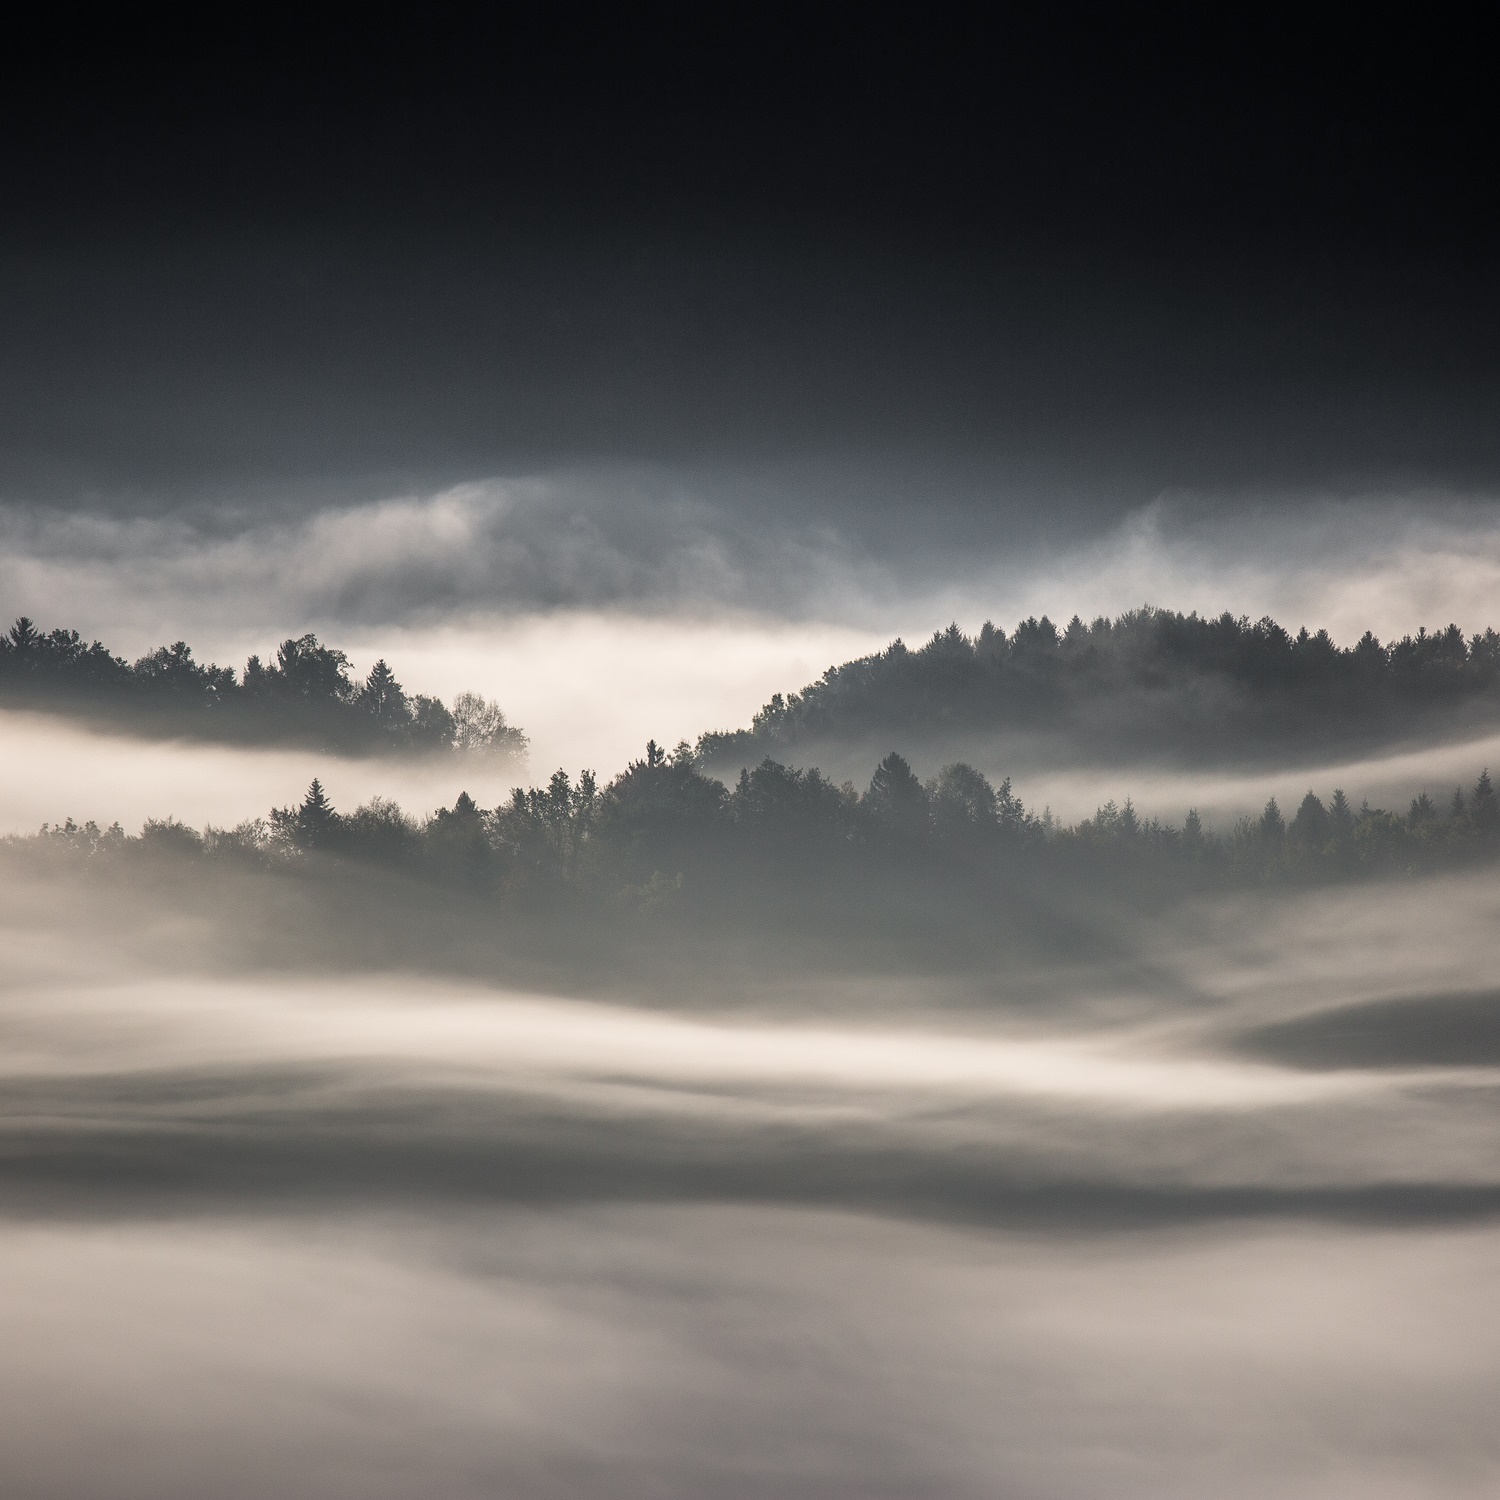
x=1153 y=1222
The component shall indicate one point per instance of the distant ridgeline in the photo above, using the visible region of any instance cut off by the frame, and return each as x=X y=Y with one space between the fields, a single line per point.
x=1151 y=683
x=304 y=697
x=662 y=836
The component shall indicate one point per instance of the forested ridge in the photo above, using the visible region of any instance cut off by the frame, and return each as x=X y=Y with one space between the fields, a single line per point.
x=667 y=834
x=1148 y=684
x=304 y=695
x=664 y=836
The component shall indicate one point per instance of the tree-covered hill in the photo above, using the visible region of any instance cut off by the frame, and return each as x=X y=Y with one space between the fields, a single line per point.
x=305 y=695
x=663 y=834
x=1149 y=685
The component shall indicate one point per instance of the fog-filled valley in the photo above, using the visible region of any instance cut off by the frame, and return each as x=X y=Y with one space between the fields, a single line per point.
x=657 y=1134
x=748 y=754
x=1113 y=1190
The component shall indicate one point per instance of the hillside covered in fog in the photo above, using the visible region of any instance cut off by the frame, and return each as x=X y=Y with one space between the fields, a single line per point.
x=304 y=696
x=950 y=872
x=1150 y=685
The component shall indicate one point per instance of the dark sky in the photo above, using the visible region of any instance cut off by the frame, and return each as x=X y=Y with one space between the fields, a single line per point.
x=963 y=268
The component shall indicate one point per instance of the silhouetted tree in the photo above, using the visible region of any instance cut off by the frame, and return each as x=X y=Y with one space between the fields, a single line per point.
x=170 y=671
x=383 y=698
x=458 y=844
x=1482 y=807
x=1192 y=834
x=964 y=806
x=479 y=728
x=314 y=825
x=431 y=726
x=659 y=815
x=166 y=838
x=1272 y=825
x=1340 y=816
x=896 y=802
x=307 y=669
x=381 y=833
x=1312 y=827
x=777 y=809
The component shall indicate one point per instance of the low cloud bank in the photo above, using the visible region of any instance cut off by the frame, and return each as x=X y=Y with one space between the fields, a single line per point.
x=499 y=547
x=1072 y=1229
x=659 y=543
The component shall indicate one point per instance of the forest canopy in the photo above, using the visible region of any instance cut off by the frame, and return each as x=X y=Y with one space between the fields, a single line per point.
x=1149 y=684
x=664 y=836
x=304 y=695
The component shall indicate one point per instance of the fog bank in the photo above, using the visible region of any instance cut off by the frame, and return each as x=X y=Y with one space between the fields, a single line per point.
x=1053 y=1231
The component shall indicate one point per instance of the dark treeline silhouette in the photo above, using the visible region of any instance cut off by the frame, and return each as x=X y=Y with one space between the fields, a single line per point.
x=1149 y=684
x=305 y=695
x=663 y=836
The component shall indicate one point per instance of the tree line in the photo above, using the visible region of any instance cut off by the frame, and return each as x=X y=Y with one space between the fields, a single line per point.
x=1149 y=682
x=664 y=834
x=304 y=694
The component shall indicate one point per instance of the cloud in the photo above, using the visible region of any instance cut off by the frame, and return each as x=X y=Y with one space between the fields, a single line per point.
x=659 y=543
x=502 y=547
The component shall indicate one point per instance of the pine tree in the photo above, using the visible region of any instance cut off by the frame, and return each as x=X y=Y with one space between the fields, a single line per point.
x=382 y=697
x=1272 y=824
x=317 y=821
x=1311 y=827
x=1340 y=817
x=1482 y=803
x=896 y=800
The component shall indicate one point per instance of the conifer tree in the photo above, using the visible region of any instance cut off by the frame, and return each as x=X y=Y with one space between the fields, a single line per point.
x=382 y=697
x=316 y=818
x=1272 y=824
x=1340 y=816
x=896 y=800
x=1482 y=804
